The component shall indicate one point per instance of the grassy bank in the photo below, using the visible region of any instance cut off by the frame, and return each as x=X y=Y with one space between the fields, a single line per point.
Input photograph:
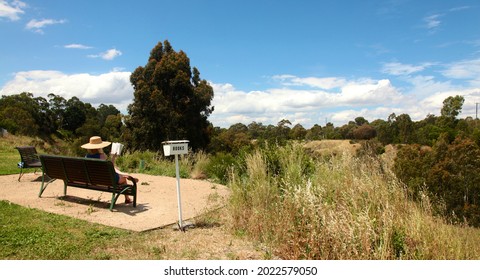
x=339 y=207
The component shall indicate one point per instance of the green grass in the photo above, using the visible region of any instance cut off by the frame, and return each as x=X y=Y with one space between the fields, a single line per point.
x=9 y=156
x=9 y=159
x=30 y=234
x=33 y=234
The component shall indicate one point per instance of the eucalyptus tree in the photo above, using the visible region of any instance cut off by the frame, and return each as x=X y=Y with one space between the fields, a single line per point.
x=171 y=102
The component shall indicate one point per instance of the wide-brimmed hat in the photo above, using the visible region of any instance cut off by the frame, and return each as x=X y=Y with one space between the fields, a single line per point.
x=96 y=143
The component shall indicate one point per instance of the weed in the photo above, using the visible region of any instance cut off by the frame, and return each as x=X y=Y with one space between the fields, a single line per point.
x=91 y=209
x=158 y=251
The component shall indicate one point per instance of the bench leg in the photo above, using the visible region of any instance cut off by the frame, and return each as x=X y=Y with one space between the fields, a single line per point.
x=21 y=174
x=42 y=187
x=44 y=184
x=114 y=200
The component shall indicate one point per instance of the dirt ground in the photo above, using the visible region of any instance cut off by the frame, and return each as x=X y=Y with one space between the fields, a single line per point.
x=157 y=203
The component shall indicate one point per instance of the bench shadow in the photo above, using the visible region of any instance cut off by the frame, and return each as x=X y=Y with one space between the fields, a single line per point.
x=119 y=207
x=39 y=179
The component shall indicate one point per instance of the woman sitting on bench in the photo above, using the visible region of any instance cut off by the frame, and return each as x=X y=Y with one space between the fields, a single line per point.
x=95 y=150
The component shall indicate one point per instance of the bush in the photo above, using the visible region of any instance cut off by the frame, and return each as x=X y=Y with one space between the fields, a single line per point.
x=220 y=166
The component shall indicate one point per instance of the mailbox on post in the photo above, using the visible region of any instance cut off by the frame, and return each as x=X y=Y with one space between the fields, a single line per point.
x=177 y=147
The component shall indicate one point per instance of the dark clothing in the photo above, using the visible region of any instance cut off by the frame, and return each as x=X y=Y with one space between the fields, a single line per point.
x=97 y=155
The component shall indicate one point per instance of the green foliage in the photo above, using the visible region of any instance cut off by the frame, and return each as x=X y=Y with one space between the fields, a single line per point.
x=398 y=242
x=220 y=166
x=19 y=114
x=75 y=114
x=71 y=119
x=232 y=140
x=411 y=165
x=298 y=132
x=171 y=102
x=447 y=172
x=452 y=106
x=152 y=163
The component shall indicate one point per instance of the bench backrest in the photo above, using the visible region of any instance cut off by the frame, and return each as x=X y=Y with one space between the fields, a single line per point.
x=28 y=155
x=79 y=170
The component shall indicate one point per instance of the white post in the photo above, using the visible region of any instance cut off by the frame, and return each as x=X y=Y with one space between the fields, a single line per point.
x=180 y=223
x=177 y=147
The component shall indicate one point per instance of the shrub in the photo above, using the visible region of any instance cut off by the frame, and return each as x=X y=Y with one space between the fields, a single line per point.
x=219 y=167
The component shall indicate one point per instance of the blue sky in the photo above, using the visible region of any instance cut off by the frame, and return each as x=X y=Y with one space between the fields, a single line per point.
x=310 y=62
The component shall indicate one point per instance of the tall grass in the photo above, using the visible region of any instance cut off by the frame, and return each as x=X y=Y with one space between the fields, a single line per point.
x=198 y=165
x=340 y=207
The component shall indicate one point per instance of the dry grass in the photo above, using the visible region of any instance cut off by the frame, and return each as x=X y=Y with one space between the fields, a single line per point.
x=332 y=147
x=347 y=208
x=210 y=239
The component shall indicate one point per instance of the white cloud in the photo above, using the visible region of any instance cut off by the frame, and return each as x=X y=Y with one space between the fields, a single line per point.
x=109 y=88
x=315 y=82
x=77 y=46
x=38 y=25
x=11 y=9
x=433 y=21
x=107 y=55
x=434 y=102
x=465 y=69
x=423 y=86
x=317 y=100
x=304 y=100
x=304 y=106
x=399 y=69
x=460 y=8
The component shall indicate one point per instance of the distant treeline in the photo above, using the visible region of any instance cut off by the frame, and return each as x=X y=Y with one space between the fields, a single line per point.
x=71 y=119
x=438 y=156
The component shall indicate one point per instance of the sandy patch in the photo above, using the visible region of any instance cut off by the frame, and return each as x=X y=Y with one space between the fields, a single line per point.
x=157 y=205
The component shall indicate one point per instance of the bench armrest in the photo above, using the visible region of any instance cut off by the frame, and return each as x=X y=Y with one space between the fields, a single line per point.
x=134 y=181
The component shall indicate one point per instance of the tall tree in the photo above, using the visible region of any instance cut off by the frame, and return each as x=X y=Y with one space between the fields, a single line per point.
x=106 y=110
x=170 y=101
x=404 y=127
x=452 y=106
x=19 y=113
x=314 y=133
x=74 y=115
x=298 y=132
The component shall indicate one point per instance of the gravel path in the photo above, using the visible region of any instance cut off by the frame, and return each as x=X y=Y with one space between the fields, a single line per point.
x=156 y=203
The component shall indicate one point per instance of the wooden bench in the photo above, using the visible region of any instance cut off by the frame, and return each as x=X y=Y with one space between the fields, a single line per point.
x=86 y=173
x=28 y=159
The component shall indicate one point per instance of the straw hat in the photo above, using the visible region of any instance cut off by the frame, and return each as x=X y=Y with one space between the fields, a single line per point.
x=96 y=143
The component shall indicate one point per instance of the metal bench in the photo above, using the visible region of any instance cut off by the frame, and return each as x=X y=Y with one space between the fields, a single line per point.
x=86 y=173
x=28 y=159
